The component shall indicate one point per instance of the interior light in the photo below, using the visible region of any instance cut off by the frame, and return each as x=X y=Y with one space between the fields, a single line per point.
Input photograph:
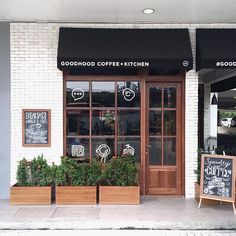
x=148 y=11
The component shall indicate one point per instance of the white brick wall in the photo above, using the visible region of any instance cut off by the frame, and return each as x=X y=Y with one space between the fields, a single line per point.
x=37 y=83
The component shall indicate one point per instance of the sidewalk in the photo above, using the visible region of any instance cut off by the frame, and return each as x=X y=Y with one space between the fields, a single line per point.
x=153 y=213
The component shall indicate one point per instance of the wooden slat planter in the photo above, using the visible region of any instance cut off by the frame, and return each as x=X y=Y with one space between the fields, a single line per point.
x=119 y=195
x=30 y=195
x=76 y=195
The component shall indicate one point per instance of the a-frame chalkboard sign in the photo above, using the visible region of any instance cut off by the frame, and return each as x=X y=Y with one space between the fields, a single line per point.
x=218 y=178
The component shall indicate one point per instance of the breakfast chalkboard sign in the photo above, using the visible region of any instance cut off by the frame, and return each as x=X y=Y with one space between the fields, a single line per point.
x=36 y=127
x=217 y=178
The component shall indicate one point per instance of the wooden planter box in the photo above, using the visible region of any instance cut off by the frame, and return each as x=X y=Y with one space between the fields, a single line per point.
x=76 y=195
x=119 y=195
x=30 y=195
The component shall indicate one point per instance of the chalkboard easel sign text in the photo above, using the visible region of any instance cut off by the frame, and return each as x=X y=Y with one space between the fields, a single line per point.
x=218 y=178
x=36 y=124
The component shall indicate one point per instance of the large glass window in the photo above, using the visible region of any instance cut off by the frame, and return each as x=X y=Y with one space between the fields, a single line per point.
x=162 y=125
x=102 y=119
x=103 y=94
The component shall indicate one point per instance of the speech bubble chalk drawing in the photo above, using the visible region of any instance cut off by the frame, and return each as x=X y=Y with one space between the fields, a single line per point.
x=103 y=150
x=128 y=150
x=77 y=150
x=77 y=94
x=128 y=94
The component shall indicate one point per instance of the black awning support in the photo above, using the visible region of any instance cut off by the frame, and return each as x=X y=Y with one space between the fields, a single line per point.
x=124 y=48
x=215 y=48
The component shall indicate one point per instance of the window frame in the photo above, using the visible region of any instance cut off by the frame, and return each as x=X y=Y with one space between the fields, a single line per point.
x=91 y=108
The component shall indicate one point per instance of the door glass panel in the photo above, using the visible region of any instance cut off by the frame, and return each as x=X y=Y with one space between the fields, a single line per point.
x=169 y=151
x=155 y=153
x=103 y=94
x=103 y=122
x=103 y=148
x=169 y=122
x=128 y=122
x=78 y=123
x=155 y=97
x=77 y=94
x=129 y=146
x=128 y=94
x=78 y=148
x=155 y=122
x=170 y=97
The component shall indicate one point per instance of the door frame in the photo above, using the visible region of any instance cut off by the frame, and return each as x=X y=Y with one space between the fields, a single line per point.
x=180 y=79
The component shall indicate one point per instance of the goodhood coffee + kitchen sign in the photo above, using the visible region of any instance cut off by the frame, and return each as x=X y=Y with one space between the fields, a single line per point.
x=104 y=64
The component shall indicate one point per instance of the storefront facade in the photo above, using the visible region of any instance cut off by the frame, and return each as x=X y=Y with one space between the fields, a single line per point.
x=163 y=133
x=166 y=152
x=117 y=99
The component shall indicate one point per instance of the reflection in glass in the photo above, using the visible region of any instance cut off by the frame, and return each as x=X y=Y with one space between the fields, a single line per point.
x=128 y=123
x=155 y=151
x=103 y=148
x=169 y=151
x=103 y=94
x=169 y=122
x=128 y=145
x=77 y=94
x=78 y=123
x=155 y=94
x=103 y=122
x=155 y=122
x=78 y=148
x=170 y=97
x=128 y=94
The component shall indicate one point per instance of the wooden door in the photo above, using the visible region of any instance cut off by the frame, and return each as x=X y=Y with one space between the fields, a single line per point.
x=164 y=139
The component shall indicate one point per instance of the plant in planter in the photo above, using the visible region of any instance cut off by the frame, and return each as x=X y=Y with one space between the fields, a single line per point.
x=118 y=182
x=76 y=182
x=34 y=180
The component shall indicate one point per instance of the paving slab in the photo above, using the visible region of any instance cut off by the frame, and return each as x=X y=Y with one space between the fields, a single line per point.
x=80 y=213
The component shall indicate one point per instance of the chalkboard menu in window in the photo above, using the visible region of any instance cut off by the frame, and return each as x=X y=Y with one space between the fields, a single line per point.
x=218 y=177
x=36 y=124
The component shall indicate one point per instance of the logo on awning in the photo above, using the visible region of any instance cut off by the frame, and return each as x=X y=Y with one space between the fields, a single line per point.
x=105 y=64
x=226 y=63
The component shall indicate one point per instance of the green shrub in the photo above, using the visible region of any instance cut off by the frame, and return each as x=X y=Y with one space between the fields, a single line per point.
x=93 y=172
x=71 y=173
x=120 y=171
x=22 y=175
x=34 y=173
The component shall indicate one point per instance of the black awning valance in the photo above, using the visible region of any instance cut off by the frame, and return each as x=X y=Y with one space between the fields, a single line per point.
x=153 y=48
x=215 y=48
x=224 y=85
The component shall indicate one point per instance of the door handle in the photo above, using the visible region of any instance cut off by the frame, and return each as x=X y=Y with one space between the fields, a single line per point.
x=148 y=146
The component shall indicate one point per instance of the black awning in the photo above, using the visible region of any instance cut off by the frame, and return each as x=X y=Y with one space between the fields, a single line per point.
x=123 y=48
x=215 y=48
x=224 y=85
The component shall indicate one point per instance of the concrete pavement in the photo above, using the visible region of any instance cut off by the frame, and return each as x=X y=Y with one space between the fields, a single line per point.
x=118 y=232
x=153 y=213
